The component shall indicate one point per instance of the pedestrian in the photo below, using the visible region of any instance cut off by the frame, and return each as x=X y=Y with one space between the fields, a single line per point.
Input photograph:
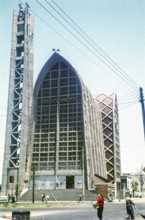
x=43 y=197
x=9 y=198
x=129 y=207
x=47 y=198
x=80 y=198
x=100 y=206
x=110 y=197
x=13 y=198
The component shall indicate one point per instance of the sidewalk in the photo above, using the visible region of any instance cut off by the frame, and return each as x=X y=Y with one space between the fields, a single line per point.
x=136 y=200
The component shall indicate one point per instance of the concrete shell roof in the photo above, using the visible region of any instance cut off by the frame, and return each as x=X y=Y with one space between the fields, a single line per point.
x=47 y=67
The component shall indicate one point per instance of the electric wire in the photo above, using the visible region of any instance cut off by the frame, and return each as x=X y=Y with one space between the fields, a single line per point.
x=73 y=45
x=125 y=102
x=128 y=100
x=127 y=106
x=104 y=62
x=131 y=95
x=70 y=43
x=98 y=49
x=62 y=36
x=93 y=46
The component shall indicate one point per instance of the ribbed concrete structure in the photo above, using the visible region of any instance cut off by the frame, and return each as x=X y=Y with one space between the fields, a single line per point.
x=68 y=137
x=110 y=120
x=61 y=134
x=17 y=140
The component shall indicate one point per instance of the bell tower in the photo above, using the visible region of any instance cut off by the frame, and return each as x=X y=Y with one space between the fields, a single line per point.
x=16 y=165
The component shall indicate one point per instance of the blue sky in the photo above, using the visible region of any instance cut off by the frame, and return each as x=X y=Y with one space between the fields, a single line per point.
x=118 y=28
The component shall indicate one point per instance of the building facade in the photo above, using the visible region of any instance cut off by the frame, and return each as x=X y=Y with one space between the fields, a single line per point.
x=110 y=121
x=68 y=147
x=126 y=184
x=56 y=131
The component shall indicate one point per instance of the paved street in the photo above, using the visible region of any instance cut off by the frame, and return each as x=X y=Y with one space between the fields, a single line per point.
x=112 y=211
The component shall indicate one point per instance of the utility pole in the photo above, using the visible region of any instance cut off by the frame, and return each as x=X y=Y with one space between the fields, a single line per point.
x=83 y=172
x=142 y=107
x=33 y=184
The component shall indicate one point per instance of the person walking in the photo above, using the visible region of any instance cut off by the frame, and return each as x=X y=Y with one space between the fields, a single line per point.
x=47 y=198
x=43 y=197
x=80 y=198
x=129 y=207
x=100 y=206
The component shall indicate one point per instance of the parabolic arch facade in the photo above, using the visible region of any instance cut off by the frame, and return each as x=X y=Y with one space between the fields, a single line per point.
x=68 y=147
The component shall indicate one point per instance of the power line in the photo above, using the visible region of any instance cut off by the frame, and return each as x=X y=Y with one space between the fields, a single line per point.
x=128 y=102
x=128 y=96
x=48 y=25
x=124 y=79
x=127 y=106
x=126 y=84
x=127 y=99
x=98 y=49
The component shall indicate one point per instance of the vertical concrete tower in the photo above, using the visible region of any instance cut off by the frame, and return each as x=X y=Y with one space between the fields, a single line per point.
x=16 y=166
x=110 y=120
